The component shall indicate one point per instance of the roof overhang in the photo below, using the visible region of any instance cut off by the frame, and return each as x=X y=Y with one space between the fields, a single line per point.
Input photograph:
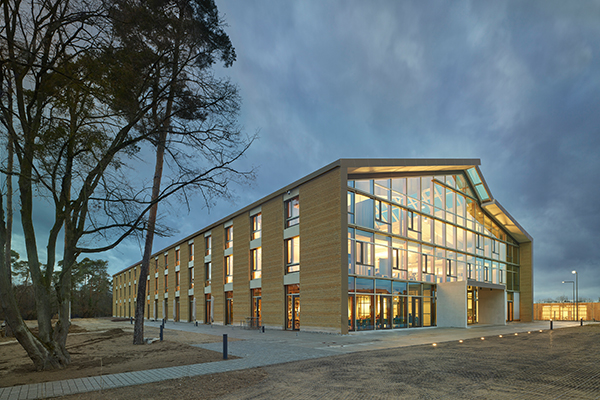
x=360 y=166
x=502 y=216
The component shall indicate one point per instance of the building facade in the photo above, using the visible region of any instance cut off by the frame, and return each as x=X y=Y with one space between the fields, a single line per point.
x=361 y=244
x=566 y=311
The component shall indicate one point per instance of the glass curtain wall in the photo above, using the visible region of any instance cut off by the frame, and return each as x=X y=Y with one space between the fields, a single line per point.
x=426 y=229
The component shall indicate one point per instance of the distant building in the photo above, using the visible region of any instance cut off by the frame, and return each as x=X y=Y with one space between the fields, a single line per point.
x=566 y=311
x=361 y=244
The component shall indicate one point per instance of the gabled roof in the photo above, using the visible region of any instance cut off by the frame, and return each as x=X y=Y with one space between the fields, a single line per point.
x=470 y=166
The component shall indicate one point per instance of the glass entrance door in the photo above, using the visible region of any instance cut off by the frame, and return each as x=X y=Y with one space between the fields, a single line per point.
x=293 y=312
x=384 y=312
x=414 y=317
x=471 y=305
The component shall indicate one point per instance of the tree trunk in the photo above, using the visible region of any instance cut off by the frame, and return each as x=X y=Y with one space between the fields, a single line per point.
x=138 y=330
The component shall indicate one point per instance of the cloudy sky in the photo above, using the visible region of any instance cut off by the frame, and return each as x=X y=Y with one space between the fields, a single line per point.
x=513 y=83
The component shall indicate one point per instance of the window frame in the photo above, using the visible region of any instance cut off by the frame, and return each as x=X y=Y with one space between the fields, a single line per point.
x=256 y=263
x=292 y=218
x=228 y=237
x=292 y=264
x=207 y=245
x=228 y=269
x=256 y=226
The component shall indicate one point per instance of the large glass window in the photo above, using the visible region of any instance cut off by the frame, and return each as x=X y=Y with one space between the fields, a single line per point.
x=292 y=254
x=207 y=245
x=255 y=263
x=228 y=269
x=207 y=274
x=256 y=226
x=229 y=237
x=190 y=251
x=177 y=257
x=292 y=212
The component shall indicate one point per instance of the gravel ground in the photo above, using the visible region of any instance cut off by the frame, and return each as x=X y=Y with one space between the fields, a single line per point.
x=563 y=364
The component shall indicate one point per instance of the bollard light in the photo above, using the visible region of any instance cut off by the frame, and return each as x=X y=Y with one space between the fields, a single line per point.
x=434 y=344
x=224 y=346
x=460 y=341
x=500 y=336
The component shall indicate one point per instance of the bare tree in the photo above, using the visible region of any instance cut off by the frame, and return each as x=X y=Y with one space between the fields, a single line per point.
x=78 y=103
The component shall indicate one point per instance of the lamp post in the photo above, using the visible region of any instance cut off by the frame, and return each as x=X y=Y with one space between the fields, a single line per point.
x=577 y=294
x=573 y=283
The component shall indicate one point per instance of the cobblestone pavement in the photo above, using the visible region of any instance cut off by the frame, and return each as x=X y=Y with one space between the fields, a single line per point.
x=337 y=377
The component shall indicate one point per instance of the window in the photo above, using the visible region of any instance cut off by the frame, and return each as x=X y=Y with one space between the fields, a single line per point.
x=156 y=285
x=256 y=226
x=292 y=254
x=469 y=271
x=166 y=283
x=292 y=212
x=207 y=274
x=229 y=237
x=228 y=264
x=177 y=280
x=486 y=274
x=255 y=263
x=395 y=259
x=156 y=264
x=494 y=247
x=412 y=221
x=449 y=268
x=177 y=257
x=364 y=253
x=424 y=264
x=208 y=245
x=478 y=241
x=191 y=277
x=166 y=262
x=191 y=251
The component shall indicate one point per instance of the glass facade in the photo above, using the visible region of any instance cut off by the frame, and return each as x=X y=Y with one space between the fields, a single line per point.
x=419 y=231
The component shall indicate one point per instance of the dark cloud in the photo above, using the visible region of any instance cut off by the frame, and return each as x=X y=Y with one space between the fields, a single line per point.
x=513 y=83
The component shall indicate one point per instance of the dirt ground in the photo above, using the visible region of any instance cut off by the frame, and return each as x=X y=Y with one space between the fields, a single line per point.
x=563 y=363
x=100 y=347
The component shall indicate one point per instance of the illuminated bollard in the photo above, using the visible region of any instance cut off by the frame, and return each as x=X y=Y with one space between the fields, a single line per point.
x=551 y=324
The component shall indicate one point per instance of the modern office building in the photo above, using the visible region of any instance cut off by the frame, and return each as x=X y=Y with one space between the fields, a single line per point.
x=361 y=244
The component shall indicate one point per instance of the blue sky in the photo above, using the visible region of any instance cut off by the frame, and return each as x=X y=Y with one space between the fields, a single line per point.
x=513 y=83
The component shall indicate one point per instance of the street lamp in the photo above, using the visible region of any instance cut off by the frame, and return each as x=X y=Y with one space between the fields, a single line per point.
x=573 y=283
x=577 y=294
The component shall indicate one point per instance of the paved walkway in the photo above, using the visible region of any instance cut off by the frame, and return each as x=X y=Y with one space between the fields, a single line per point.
x=258 y=349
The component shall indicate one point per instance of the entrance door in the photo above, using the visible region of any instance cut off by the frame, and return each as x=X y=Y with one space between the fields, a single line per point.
x=415 y=315
x=207 y=309
x=384 y=308
x=293 y=312
x=228 y=308
x=471 y=305
x=400 y=311
x=511 y=311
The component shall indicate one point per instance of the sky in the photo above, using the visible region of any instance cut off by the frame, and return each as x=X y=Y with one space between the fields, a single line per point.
x=513 y=83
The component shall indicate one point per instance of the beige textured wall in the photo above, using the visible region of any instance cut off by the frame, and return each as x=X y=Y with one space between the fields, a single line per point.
x=320 y=253
x=526 y=272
